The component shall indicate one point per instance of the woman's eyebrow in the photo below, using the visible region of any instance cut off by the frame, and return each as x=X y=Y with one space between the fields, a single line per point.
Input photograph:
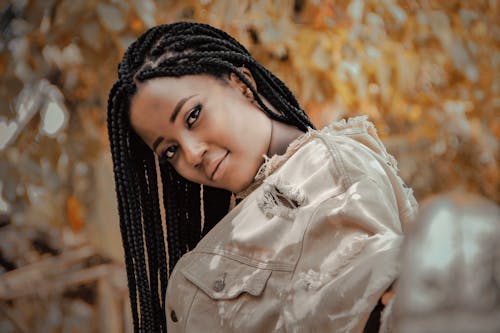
x=178 y=108
x=157 y=142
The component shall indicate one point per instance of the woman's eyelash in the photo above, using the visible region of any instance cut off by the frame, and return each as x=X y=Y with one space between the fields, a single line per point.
x=193 y=115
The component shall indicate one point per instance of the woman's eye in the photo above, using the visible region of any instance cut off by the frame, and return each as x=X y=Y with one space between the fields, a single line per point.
x=169 y=152
x=193 y=116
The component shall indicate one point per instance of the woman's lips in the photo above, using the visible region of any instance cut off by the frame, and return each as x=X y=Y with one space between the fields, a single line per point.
x=220 y=169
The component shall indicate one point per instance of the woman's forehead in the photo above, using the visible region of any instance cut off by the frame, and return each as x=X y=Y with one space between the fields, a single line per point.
x=156 y=100
x=170 y=90
x=188 y=82
x=159 y=92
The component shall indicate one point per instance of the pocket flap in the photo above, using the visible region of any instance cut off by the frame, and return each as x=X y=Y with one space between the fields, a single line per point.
x=224 y=278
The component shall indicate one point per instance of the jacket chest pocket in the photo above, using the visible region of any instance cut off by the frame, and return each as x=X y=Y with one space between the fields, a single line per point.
x=222 y=278
x=229 y=293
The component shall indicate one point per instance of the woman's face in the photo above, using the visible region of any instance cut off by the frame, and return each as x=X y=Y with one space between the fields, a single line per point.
x=209 y=131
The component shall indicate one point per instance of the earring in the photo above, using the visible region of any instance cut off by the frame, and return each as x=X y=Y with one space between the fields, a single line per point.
x=248 y=93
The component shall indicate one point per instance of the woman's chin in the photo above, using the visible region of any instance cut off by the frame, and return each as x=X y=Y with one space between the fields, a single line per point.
x=243 y=185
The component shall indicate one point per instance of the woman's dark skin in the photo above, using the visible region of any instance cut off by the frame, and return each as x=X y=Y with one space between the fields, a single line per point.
x=219 y=135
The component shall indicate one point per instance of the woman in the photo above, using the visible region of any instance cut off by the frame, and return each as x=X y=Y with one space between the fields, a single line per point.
x=312 y=245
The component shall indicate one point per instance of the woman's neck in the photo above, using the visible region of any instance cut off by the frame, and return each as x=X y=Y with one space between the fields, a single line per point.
x=281 y=136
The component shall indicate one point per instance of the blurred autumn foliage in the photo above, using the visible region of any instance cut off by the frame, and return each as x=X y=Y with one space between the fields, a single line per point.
x=425 y=71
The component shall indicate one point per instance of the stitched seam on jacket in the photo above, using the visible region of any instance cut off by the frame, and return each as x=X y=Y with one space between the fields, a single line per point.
x=175 y=272
x=276 y=266
x=188 y=313
x=313 y=215
x=344 y=177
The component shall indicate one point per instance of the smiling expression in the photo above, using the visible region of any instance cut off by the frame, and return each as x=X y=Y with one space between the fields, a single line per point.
x=209 y=131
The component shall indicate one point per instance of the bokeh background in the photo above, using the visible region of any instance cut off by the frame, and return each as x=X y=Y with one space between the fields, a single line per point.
x=426 y=72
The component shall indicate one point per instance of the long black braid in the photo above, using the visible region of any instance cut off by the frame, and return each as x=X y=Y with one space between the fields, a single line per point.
x=173 y=50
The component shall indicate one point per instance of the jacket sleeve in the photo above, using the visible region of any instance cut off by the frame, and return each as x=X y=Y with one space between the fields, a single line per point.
x=349 y=253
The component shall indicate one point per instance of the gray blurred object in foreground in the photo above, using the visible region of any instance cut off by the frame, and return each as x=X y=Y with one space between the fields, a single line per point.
x=450 y=279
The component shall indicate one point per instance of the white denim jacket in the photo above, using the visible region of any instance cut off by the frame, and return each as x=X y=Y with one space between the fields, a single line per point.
x=311 y=248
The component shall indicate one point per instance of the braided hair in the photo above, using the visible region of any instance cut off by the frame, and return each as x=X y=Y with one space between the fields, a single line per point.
x=173 y=50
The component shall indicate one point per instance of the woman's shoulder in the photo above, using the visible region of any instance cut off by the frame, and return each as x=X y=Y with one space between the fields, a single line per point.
x=342 y=137
x=320 y=160
x=360 y=132
x=351 y=147
x=319 y=144
x=362 y=155
x=341 y=153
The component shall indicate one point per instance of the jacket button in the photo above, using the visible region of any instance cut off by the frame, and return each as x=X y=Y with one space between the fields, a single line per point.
x=219 y=285
x=173 y=316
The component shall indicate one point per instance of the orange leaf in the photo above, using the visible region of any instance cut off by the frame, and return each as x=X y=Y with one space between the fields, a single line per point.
x=74 y=211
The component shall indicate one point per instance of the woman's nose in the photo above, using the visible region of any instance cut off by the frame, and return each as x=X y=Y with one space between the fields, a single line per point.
x=194 y=152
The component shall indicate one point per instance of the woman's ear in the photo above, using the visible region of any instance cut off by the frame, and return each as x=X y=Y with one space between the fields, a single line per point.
x=240 y=85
